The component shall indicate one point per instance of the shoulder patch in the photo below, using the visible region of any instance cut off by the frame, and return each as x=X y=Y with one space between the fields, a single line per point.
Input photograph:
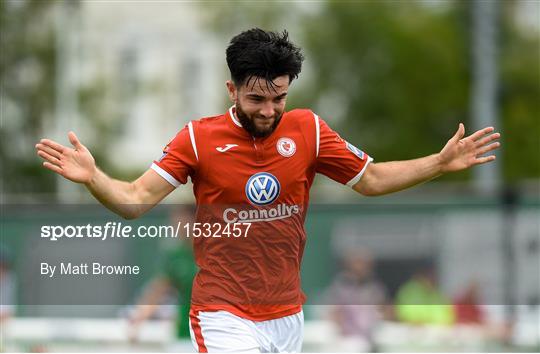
x=356 y=150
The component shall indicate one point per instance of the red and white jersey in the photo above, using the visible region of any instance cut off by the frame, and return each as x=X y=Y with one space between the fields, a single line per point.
x=263 y=181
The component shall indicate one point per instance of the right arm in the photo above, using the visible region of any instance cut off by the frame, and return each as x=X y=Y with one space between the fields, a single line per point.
x=127 y=199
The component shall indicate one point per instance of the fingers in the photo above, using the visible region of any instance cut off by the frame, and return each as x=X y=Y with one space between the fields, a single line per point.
x=487 y=148
x=47 y=157
x=74 y=140
x=482 y=139
x=480 y=133
x=52 y=167
x=48 y=150
x=54 y=145
x=487 y=139
x=481 y=160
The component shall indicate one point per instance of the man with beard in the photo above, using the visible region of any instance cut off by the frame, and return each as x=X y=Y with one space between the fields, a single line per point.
x=252 y=169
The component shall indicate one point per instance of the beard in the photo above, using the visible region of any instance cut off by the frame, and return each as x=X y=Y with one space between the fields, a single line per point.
x=248 y=123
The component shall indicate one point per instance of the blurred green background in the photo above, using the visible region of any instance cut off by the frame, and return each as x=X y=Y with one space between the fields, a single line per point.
x=394 y=77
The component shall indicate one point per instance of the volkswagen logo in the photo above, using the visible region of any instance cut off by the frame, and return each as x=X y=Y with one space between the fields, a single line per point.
x=262 y=188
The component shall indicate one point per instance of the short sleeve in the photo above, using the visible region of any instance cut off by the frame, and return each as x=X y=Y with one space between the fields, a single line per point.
x=337 y=158
x=178 y=160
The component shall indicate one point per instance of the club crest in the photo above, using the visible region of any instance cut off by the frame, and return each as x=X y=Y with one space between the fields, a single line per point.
x=286 y=147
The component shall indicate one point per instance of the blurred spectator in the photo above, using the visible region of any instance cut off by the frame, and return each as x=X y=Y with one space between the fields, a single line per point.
x=419 y=301
x=7 y=286
x=177 y=272
x=357 y=299
x=467 y=307
x=469 y=311
x=7 y=291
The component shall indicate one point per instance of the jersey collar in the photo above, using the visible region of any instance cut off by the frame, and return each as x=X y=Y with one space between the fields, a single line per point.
x=233 y=117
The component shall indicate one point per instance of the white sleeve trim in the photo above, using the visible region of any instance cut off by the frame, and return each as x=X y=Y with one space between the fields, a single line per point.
x=356 y=178
x=165 y=175
x=192 y=138
x=317 y=134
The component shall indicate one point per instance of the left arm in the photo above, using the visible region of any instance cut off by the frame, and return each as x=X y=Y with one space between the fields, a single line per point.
x=458 y=154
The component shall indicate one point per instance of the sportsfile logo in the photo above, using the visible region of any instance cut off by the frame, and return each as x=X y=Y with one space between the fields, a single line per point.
x=280 y=211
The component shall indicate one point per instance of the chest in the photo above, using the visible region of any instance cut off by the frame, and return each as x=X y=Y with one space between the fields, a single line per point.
x=262 y=170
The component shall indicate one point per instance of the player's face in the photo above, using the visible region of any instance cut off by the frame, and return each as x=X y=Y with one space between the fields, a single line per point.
x=260 y=104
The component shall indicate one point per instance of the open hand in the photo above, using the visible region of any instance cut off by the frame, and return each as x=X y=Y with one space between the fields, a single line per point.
x=460 y=153
x=76 y=164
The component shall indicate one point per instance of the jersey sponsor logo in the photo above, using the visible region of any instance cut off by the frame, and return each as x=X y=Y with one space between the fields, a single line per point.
x=280 y=211
x=286 y=147
x=226 y=147
x=262 y=188
x=356 y=151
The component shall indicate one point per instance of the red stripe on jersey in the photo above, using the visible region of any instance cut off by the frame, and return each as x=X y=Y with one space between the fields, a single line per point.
x=196 y=327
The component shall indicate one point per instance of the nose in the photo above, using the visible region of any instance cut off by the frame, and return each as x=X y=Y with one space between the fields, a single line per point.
x=267 y=110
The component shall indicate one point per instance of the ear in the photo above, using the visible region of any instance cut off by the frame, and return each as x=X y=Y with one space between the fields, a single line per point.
x=231 y=89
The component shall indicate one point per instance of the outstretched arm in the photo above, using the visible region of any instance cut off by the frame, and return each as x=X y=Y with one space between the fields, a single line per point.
x=127 y=199
x=458 y=154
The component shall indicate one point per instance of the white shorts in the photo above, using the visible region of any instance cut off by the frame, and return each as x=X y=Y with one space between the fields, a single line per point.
x=221 y=331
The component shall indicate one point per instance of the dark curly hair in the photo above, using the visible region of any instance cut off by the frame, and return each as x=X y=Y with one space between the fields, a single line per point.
x=263 y=54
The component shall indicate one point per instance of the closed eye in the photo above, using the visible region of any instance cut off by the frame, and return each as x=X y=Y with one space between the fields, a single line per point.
x=256 y=98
